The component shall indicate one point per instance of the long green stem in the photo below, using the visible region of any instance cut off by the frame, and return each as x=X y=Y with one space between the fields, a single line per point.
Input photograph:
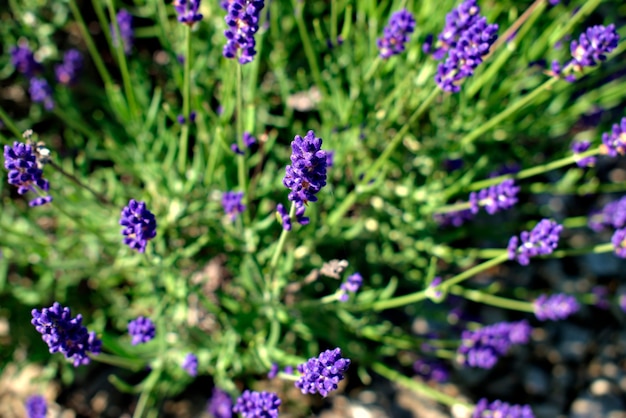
x=8 y=121
x=184 y=131
x=241 y=159
x=308 y=48
x=101 y=198
x=277 y=252
x=487 y=299
x=146 y=392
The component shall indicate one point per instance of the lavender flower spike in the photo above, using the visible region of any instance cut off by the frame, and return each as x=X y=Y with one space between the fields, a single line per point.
x=40 y=92
x=580 y=147
x=65 y=334
x=67 y=72
x=485 y=409
x=139 y=225
x=231 y=202
x=593 y=45
x=495 y=198
x=351 y=285
x=142 y=330
x=36 y=407
x=619 y=242
x=125 y=23
x=242 y=18
x=612 y=215
x=188 y=11
x=257 y=404
x=555 y=307
x=220 y=405
x=396 y=34
x=190 y=364
x=614 y=143
x=24 y=61
x=542 y=240
x=25 y=172
x=322 y=374
x=459 y=20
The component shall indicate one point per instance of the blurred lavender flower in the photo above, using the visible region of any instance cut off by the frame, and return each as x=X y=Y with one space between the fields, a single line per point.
x=220 y=405
x=396 y=34
x=36 y=407
x=187 y=11
x=600 y=297
x=351 y=285
x=282 y=212
x=24 y=61
x=555 y=307
x=582 y=146
x=257 y=404
x=288 y=370
x=242 y=18
x=180 y=119
x=273 y=371
x=307 y=173
x=40 y=92
x=142 y=330
x=612 y=215
x=542 y=240
x=619 y=242
x=231 y=202
x=139 y=225
x=495 y=198
x=65 y=334
x=25 y=172
x=322 y=374
x=592 y=46
x=125 y=24
x=248 y=141
x=67 y=72
x=458 y=21
x=622 y=302
x=614 y=143
x=190 y=364
x=455 y=219
x=482 y=347
x=431 y=369
x=494 y=409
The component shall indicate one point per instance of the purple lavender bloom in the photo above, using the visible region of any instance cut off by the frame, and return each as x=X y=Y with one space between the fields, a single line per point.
x=485 y=409
x=231 y=202
x=36 y=407
x=24 y=62
x=482 y=347
x=68 y=71
x=192 y=116
x=25 y=172
x=495 y=198
x=614 y=143
x=257 y=404
x=139 y=225
x=40 y=92
x=248 y=139
x=65 y=334
x=351 y=285
x=582 y=146
x=458 y=21
x=454 y=219
x=282 y=212
x=619 y=242
x=125 y=24
x=431 y=369
x=273 y=371
x=187 y=11
x=396 y=34
x=554 y=2
x=142 y=330
x=322 y=374
x=622 y=302
x=612 y=215
x=242 y=18
x=180 y=119
x=190 y=364
x=593 y=45
x=307 y=173
x=555 y=307
x=542 y=240
x=288 y=370
x=220 y=405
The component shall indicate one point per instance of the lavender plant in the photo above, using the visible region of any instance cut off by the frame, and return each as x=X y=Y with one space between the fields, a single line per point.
x=278 y=268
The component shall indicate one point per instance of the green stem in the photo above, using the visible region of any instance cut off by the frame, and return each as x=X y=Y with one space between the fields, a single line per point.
x=372 y=70
x=91 y=46
x=487 y=299
x=308 y=48
x=418 y=387
x=184 y=131
x=242 y=178
x=79 y=183
x=273 y=284
x=146 y=392
x=8 y=121
x=118 y=361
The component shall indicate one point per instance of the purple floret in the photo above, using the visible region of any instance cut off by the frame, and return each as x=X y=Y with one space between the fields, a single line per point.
x=612 y=215
x=431 y=369
x=614 y=142
x=396 y=34
x=593 y=45
x=220 y=405
x=190 y=364
x=495 y=198
x=41 y=92
x=65 y=334
x=24 y=61
x=68 y=71
x=24 y=172
x=582 y=146
x=484 y=409
x=257 y=404
x=555 y=307
x=322 y=374
x=139 y=225
x=36 y=407
x=542 y=240
x=619 y=242
x=187 y=11
x=125 y=24
x=458 y=21
x=351 y=285
x=231 y=202
x=242 y=19
x=141 y=330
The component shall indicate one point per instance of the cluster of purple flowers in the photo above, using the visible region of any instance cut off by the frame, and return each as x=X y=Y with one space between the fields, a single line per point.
x=322 y=374
x=614 y=142
x=484 y=409
x=125 y=24
x=495 y=198
x=248 y=142
x=242 y=19
x=187 y=11
x=190 y=364
x=25 y=172
x=431 y=369
x=305 y=176
x=231 y=202
x=257 y=404
x=65 y=334
x=619 y=242
x=220 y=405
x=141 y=330
x=580 y=147
x=36 y=407
x=482 y=347
x=396 y=34
x=612 y=215
x=139 y=225
x=465 y=40
x=67 y=72
x=542 y=240
x=351 y=285
x=41 y=92
x=555 y=307
x=24 y=61
x=192 y=117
